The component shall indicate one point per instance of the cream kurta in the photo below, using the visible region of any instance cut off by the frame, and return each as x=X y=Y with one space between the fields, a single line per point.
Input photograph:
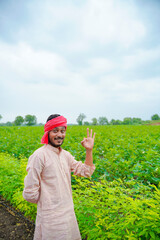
x=48 y=184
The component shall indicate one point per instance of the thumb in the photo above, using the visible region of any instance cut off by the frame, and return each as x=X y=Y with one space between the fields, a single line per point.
x=83 y=140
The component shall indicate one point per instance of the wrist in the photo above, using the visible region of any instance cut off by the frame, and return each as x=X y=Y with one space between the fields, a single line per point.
x=89 y=149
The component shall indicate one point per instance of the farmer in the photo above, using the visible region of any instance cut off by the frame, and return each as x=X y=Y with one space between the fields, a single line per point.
x=48 y=182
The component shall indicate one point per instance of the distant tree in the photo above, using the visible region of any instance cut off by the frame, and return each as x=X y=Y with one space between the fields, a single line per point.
x=18 y=120
x=127 y=121
x=0 y=116
x=80 y=118
x=30 y=120
x=8 y=124
x=155 y=117
x=146 y=122
x=40 y=124
x=115 y=122
x=103 y=121
x=94 y=121
x=137 y=121
x=112 y=122
x=86 y=123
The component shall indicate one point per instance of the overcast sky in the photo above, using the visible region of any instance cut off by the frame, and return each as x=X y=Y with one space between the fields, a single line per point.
x=97 y=57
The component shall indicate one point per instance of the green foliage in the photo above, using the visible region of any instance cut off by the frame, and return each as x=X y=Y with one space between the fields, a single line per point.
x=117 y=210
x=127 y=152
x=21 y=140
x=94 y=121
x=12 y=173
x=80 y=118
x=18 y=120
x=115 y=122
x=104 y=210
x=137 y=121
x=155 y=117
x=86 y=123
x=122 y=201
x=103 y=121
x=30 y=120
x=127 y=121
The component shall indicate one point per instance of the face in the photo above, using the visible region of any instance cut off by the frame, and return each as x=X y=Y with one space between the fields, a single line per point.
x=56 y=136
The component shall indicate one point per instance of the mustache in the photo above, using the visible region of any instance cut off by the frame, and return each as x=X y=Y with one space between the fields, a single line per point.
x=59 y=138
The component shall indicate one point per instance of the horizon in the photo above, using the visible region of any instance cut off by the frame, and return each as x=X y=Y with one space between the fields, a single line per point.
x=76 y=123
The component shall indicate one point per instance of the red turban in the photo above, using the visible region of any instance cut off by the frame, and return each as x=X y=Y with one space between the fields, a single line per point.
x=53 y=123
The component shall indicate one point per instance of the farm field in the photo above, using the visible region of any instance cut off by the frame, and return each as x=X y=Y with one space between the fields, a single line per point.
x=120 y=201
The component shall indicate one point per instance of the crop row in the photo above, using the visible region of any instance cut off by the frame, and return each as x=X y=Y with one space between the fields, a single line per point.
x=105 y=210
x=121 y=201
x=126 y=152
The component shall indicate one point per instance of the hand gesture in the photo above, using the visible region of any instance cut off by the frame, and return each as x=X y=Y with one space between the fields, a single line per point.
x=89 y=141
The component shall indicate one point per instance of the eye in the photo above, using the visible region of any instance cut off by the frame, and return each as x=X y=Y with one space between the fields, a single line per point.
x=55 y=131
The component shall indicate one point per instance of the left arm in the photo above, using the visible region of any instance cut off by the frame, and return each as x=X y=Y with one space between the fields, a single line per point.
x=84 y=169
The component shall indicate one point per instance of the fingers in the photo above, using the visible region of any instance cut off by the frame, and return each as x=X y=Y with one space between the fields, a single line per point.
x=84 y=139
x=90 y=135
x=87 y=132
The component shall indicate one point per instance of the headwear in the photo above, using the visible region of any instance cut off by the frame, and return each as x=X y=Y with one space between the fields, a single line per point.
x=53 y=123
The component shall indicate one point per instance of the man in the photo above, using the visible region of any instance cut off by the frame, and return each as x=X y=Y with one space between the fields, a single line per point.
x=48 y=182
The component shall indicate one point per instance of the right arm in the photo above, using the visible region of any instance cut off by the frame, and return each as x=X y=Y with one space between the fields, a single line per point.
x=32 y=181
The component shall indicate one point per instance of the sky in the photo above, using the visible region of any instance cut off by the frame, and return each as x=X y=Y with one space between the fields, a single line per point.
x=97 y=57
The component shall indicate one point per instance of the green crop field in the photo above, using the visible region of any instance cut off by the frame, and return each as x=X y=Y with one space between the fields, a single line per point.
x=120 y=201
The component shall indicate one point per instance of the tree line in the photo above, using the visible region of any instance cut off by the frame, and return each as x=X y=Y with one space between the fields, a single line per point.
x=31 y=120
x=104 y=120
x=28 y=120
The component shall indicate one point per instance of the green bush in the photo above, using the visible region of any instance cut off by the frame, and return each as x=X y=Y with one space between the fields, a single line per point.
x=119 y=152
x=105 y=210
x=117 y=210
x=12 y=173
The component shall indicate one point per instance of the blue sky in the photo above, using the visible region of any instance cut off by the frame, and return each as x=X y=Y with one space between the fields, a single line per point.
x=97 y=57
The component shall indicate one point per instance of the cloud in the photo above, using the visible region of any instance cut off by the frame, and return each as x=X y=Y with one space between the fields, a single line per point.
x=23 y=63
x=112 y=21
x=95 y=57
x=141 y=57
x=81 y=25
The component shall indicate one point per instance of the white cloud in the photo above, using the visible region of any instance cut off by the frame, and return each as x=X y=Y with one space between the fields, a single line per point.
x=114 y=88
x=77 y=58
x=94 y=22
x=141 y=57
x=23 y=63
x=112 y=21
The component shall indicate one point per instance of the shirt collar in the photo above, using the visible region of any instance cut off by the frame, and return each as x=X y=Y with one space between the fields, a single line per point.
x=54 y=149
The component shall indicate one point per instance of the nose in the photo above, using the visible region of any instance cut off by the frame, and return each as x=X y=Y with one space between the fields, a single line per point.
x=59 y=134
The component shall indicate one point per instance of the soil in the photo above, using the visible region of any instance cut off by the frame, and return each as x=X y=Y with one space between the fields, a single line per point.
x=13 y=226
x=158 y=123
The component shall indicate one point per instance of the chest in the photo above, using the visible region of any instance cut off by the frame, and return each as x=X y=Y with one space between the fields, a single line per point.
x=56 y=167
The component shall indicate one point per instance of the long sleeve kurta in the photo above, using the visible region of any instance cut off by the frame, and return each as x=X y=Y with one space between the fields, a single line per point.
x=48 y=183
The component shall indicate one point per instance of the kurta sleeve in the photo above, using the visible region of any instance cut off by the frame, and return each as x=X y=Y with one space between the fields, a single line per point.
x=32 y=181
x=81 y=169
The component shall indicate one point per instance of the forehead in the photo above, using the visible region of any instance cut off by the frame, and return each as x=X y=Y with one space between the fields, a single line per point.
x=59 y=128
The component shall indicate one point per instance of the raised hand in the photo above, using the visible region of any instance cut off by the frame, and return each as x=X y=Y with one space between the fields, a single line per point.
x=88 y=142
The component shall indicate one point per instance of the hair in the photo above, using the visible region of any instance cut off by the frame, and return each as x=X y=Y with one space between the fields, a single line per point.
x=52 y=116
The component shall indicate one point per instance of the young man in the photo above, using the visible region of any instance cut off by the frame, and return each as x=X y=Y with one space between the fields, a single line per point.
x=48 y=182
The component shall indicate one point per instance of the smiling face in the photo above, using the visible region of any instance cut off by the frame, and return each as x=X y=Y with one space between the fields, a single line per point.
x=56 y=136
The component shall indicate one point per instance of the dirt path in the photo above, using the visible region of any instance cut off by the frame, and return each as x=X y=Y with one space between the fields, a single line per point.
x=13 y=226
